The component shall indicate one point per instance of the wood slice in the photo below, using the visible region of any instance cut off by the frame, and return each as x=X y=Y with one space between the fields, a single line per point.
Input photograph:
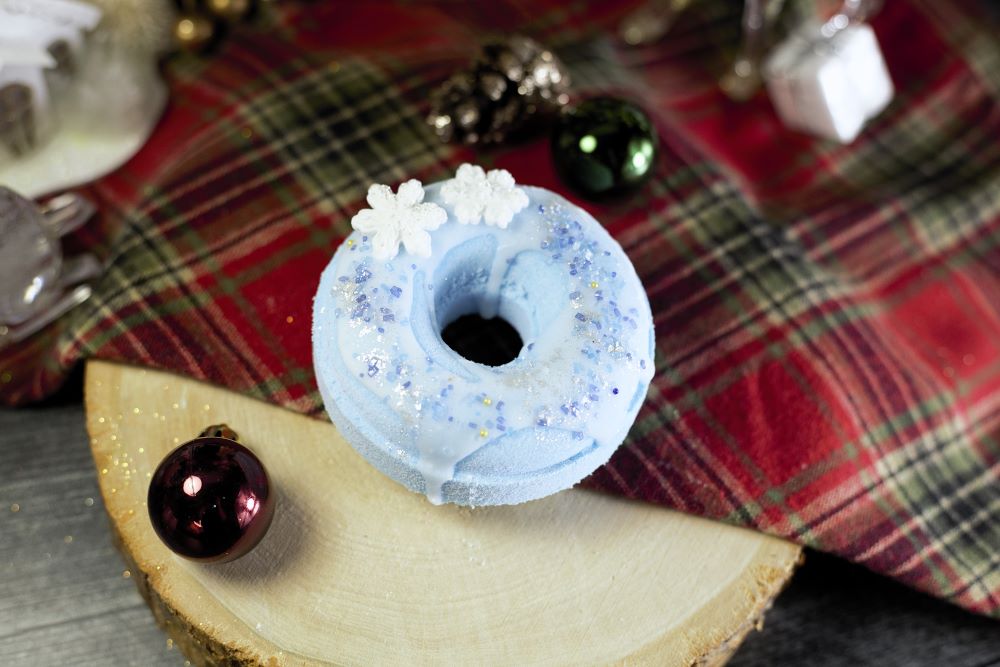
x=357 y=570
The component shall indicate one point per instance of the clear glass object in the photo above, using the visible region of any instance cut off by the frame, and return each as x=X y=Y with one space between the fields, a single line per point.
x=37 y=284
x=30 y=259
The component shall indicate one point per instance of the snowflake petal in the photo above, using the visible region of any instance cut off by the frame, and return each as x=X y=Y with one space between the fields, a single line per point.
x=417 y=241
x=366 y=220
x=385 y=243
x=380 y=196
x=468 y=212
x=428 y=216
x=500 y=179
x=470 y=173
x=410 y=193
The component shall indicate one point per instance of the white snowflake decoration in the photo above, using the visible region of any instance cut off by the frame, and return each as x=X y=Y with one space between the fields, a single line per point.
x=476 y=195
x=401 y=217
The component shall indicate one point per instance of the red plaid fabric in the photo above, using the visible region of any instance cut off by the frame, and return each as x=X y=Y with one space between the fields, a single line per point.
x=827 y=317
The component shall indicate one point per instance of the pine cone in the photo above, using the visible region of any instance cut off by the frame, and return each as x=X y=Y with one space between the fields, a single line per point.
x=509 y=85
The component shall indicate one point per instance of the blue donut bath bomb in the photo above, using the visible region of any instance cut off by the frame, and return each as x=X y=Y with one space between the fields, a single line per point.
x=459 y=431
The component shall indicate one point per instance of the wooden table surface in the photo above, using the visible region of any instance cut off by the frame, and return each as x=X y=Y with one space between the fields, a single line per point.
x=66 y=598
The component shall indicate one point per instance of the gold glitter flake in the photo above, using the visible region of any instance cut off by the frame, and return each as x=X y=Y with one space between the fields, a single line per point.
x=594 y=284
x=483 y=433
x=487 y=401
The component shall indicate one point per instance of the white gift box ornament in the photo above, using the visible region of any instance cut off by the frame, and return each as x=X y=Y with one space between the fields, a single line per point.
x=829 y=85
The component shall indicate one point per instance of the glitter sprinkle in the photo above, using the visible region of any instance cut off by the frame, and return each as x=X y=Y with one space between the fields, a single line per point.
x=126 y=574
x=487 y=401
x=68 y=539
x=350 y=243
x=594 y=284
x=136 y=410
x=6 y=377
x=88 y=502
x=289 y=319
x=483 y=433
x=15 y=508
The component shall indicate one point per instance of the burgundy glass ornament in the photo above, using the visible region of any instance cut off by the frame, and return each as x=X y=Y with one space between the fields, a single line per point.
x=210 y=500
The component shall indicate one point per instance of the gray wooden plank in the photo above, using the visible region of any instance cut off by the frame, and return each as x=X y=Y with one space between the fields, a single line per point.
x=63 y=597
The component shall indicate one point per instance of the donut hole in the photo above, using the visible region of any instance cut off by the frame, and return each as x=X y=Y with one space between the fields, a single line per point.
x=491 y=342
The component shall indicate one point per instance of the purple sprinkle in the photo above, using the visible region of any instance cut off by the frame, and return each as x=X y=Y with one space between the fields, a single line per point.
x=615 y=390
x=343 y=279
x=642 y=363
x=395 y=291
x=364 y=238
x=406 y=385
x=361 y=299
x=574 y=295
x=381 y=330
x=581 y=317
x=451 y=419
x=614 y=274
x=472 y=425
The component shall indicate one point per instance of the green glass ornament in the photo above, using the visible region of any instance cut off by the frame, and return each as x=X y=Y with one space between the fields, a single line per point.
x=604 y=147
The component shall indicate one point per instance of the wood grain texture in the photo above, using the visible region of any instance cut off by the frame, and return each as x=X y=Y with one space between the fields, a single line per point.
x=357 y=570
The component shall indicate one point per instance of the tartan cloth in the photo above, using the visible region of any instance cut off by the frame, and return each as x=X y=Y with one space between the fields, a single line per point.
x=827 y=317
